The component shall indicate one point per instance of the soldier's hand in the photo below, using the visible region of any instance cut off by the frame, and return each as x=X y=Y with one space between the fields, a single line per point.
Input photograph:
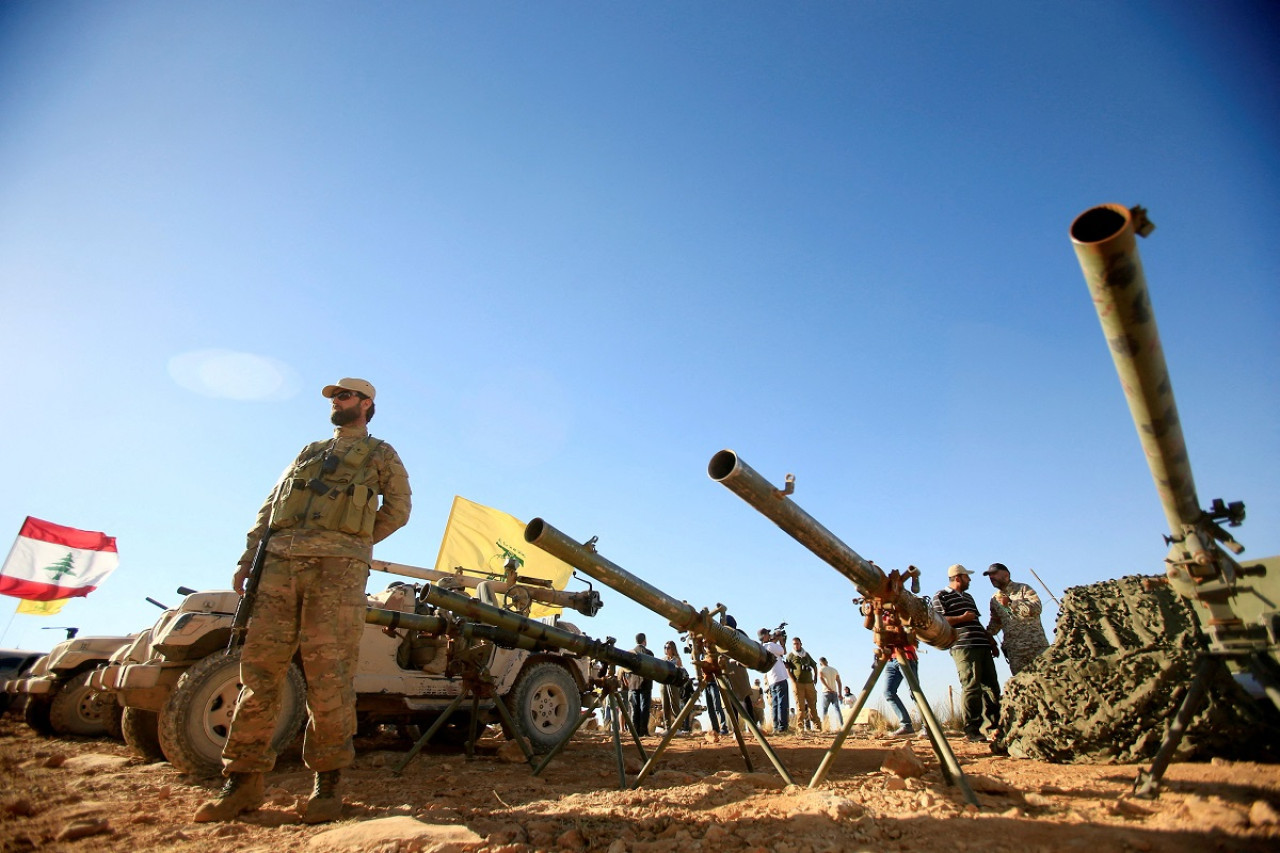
x=240 y=578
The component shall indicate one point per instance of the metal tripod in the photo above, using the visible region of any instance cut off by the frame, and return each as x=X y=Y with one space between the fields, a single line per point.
x=951 y=771
x=610 y=698
x=709 y=669
x=1147 y=783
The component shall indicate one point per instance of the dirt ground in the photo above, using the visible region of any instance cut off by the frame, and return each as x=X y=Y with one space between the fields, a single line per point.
x=92 y=794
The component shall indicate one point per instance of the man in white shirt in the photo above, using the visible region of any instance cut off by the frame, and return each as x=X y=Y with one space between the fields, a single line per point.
x=776 y=679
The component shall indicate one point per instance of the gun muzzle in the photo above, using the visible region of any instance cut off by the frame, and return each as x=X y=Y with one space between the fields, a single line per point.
x=775 y=504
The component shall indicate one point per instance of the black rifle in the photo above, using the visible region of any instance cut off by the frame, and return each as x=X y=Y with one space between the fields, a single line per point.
x=244 y=608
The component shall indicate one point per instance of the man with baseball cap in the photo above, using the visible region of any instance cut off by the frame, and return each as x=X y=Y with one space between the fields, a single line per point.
x=776 y=679
x=1015 y=610
x=973 y=655
x=320 y=522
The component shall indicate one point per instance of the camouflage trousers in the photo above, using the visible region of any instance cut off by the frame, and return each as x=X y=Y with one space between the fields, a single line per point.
x=1020 y=655
x=313 y=606
x=807 y=706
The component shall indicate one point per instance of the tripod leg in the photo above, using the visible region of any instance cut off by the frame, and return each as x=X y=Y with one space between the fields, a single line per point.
x=473 y=730
x=735 y=710
x=941 y=748
x=1147 y=783
x=820 y=775
x=1266 y=677
x=510 y=722
x=586 y=714
x=613 y=710
x=671 y=732
x=435 y=727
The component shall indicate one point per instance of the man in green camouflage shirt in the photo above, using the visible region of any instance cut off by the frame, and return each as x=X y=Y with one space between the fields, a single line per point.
x=1015 y=609
x=804 y=670
x=323 y=516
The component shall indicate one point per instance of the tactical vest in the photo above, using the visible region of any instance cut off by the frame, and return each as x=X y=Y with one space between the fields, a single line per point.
x=329 y=492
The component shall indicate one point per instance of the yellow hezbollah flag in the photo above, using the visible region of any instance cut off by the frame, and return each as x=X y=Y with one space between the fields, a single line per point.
x=481 y=540
x=41 y=608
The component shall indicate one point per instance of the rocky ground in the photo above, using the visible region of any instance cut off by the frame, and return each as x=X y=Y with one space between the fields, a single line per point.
x=83 y=794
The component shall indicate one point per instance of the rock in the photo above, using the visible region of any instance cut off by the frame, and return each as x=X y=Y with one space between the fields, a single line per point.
x=84 y=829
x=20 y=807
x=510 y=753
x=1262 y=813
x=572 y=840
x=395 y=833
x=55 y=760
x=1213 y=812
x=1128 y=808
x=988 y=784
x=894 y=783
x=278 y=796
x=903 y=762
x=96 y=763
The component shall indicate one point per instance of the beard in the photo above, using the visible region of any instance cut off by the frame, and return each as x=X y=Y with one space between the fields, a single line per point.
x=342 y=417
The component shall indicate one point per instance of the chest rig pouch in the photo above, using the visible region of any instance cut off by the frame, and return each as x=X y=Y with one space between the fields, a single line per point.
x=327 y=492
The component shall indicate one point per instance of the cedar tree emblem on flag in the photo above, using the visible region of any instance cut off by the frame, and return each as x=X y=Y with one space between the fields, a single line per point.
x=49 y=561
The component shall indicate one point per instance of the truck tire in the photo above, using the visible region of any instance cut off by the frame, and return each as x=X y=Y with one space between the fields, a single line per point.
x=545 y=703
x=193 y=724
x=77 y=709
x=112 y=715
x=140 y=731
x=36 y=713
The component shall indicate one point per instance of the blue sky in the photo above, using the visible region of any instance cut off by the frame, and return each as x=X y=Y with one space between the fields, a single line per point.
x=579 y=248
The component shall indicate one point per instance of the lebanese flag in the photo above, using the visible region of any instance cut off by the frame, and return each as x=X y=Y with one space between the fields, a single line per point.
x=49 y=561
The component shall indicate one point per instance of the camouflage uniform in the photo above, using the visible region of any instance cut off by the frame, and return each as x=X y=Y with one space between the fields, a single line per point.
x=311 y=597
x=802 y=668
x=1023 y=634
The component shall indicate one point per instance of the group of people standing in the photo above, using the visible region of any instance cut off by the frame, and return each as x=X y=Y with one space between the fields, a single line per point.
x=1014 y=611
x=797 y=673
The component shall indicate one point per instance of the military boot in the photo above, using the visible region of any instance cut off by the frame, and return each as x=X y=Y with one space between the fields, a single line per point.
x=241 y=793
x=325 y=805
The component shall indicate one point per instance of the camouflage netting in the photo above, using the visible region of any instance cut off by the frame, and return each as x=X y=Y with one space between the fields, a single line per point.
x=1119 y=666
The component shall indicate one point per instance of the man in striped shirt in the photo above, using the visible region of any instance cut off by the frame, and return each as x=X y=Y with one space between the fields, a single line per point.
x=973 y=656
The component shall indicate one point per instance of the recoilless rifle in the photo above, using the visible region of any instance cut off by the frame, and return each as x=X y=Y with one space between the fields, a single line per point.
x=1237 y=601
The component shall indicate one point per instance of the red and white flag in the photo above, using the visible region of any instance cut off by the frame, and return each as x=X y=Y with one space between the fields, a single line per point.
x=49 y=561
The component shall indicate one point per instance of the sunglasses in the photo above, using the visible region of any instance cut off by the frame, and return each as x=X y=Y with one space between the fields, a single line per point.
x=347 y=395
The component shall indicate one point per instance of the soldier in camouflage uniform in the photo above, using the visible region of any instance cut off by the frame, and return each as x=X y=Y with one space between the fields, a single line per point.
x=1015 y=609
x=323 y=517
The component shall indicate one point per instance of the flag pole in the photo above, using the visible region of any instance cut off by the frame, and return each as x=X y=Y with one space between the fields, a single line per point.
x=9 y=624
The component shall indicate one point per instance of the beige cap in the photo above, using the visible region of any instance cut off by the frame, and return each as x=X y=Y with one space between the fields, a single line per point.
x=957 y=570
x=357 y=385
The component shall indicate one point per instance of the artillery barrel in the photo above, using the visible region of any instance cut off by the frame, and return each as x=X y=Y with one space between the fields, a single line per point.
x=439 y=625
x=586 y=602
x=1105 y=245
x=661 y=671
x=681 y=614
x=745 y=482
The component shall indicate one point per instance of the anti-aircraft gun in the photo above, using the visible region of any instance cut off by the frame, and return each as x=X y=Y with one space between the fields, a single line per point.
x=1237 y=600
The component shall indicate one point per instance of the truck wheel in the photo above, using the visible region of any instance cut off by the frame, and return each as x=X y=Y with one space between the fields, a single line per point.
x=76 y=709
x=194 y=722
x=545 y=703
x=140 y=730
x=37 y=715
x=112 y=715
